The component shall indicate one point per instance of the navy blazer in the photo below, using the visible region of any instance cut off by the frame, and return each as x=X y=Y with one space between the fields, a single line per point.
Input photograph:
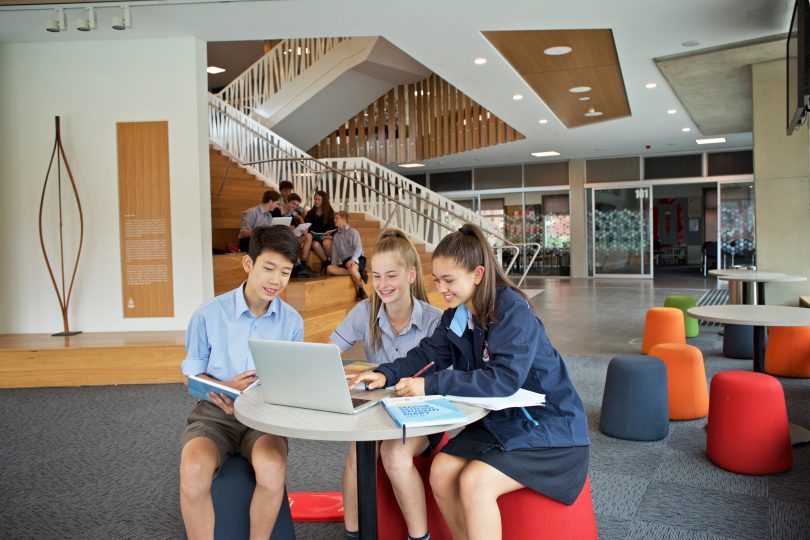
x=520 y=356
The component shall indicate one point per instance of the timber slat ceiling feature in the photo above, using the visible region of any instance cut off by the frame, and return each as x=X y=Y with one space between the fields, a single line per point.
x=592 y=62
x=418 y=121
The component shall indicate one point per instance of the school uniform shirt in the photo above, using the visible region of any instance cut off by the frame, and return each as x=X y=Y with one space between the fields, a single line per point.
x=255 y=217
x=318 y=226
x=218 y=333
x=354 y=328
x=346 y=244
x=515 y=353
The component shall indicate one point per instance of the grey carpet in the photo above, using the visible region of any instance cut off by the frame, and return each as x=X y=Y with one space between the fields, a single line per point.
x=101 y=462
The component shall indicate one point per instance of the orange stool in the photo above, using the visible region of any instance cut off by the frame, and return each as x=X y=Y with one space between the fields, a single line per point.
x=788 y=352
x=663 y=325
x=686 y=380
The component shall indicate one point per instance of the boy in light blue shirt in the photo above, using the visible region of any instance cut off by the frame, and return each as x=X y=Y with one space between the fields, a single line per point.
x=217 y=349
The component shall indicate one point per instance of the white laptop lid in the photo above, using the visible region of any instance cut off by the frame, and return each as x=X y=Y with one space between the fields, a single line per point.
x=286 y=221
x=307 y=375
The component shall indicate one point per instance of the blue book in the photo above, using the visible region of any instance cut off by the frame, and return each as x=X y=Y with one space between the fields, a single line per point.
x=423 y=411
x=199 y=388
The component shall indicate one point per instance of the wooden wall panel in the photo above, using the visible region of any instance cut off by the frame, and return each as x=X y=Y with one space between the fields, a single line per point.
x=145 y=219
x=428 y=119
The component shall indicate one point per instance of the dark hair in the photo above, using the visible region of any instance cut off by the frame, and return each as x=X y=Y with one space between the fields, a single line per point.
x=397 y=242
x=270 y=195
x=468 y=247
x=327 y=214
x=293 y=197
x=285 y=184
x=277 y=239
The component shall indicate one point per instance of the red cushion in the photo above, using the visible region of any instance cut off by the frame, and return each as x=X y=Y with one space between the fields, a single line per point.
x=316 y=505
x=527 y=515
x=748 y=429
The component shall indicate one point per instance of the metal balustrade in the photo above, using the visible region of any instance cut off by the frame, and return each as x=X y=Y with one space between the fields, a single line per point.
x=353 y=184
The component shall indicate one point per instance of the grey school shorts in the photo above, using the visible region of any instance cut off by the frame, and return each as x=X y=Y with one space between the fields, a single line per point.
x=228 y=434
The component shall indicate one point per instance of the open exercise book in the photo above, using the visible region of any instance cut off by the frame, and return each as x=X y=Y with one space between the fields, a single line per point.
x=521 y=398
x=199 y=388
x=423 y=411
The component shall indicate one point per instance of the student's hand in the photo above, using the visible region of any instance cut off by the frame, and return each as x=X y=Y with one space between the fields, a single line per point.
x=350 y=264
x=410 y=386
x=222 y=401
x=372 y=378
x=242 y=381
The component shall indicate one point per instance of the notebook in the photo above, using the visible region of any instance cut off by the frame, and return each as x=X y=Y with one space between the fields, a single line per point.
x=306 y=375
x=423 y=411
x=199 y=388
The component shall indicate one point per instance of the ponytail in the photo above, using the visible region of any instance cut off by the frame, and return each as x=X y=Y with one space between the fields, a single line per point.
x=468 y=248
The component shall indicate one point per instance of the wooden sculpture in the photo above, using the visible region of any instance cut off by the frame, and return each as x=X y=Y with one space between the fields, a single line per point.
x=63 y=294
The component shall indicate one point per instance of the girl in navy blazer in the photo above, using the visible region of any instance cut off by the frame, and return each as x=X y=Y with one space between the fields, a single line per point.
x=496 y=345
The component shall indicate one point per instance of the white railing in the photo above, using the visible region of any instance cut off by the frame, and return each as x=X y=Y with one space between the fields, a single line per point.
x=271 y=72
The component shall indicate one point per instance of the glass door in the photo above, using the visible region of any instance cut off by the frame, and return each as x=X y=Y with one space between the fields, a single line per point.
x=736 y=228
x=621 y=232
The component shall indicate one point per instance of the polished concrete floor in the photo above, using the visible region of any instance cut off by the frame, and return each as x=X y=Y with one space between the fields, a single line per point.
x=605 y=316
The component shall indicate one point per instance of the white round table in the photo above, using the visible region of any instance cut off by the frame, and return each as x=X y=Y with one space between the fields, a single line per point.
x=758 y=316
x=366 y=428
x=759 y=277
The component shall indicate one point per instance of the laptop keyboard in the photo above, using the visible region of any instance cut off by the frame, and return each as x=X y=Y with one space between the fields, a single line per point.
x=359 y=402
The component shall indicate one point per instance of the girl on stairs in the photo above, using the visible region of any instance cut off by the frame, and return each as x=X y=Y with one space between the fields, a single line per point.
x=389 y=324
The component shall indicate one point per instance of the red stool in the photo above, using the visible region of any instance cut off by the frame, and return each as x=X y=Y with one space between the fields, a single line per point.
x=390 y=523
x=527 y=515
x=316 y=506
x=748 y=426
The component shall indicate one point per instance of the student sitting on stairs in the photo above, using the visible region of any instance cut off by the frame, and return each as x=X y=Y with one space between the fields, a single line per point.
x=347 y=254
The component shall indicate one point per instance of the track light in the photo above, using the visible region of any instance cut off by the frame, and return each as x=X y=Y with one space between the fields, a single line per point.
x=122 y=23
x=58 y=24
x=85 y=25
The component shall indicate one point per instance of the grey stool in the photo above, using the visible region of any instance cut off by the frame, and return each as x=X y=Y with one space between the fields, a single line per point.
x=232 y=491
x=738 y=341
x=635 y=404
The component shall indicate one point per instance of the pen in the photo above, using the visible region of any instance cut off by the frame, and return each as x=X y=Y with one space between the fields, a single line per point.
x=424 y=369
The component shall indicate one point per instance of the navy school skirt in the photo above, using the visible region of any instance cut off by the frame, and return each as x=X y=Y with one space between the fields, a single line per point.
x=557 y=473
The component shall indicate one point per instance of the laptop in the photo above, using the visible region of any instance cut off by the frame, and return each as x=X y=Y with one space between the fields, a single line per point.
x=285 y=221
x=306 y=375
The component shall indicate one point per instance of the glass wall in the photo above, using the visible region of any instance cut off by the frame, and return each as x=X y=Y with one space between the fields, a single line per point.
x=621 y=232
x=736 y=236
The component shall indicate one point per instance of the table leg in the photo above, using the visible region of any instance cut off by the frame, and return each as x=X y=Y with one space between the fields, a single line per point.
x=759 y=349
x=761 y=293
x=367 y=489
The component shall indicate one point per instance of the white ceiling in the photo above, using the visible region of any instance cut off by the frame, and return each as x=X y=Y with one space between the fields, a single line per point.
x=445 y=36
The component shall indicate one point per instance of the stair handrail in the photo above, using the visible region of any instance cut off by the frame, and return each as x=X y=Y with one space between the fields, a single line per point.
x=228 y=130
x=280 y=65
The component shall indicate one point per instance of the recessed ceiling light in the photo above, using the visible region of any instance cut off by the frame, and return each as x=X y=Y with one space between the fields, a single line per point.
x=213 y=70
x=672 y=111
x=593 y=112
x=542 y=121
x=480 y=61
x=579 y=89
x=517 y=97
x=411 y=165
x=686 y=130
x=650 y=85
x=545 y=154
x=557 y=51
x=716 y=140
x=690 y=43
x=584 y=98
